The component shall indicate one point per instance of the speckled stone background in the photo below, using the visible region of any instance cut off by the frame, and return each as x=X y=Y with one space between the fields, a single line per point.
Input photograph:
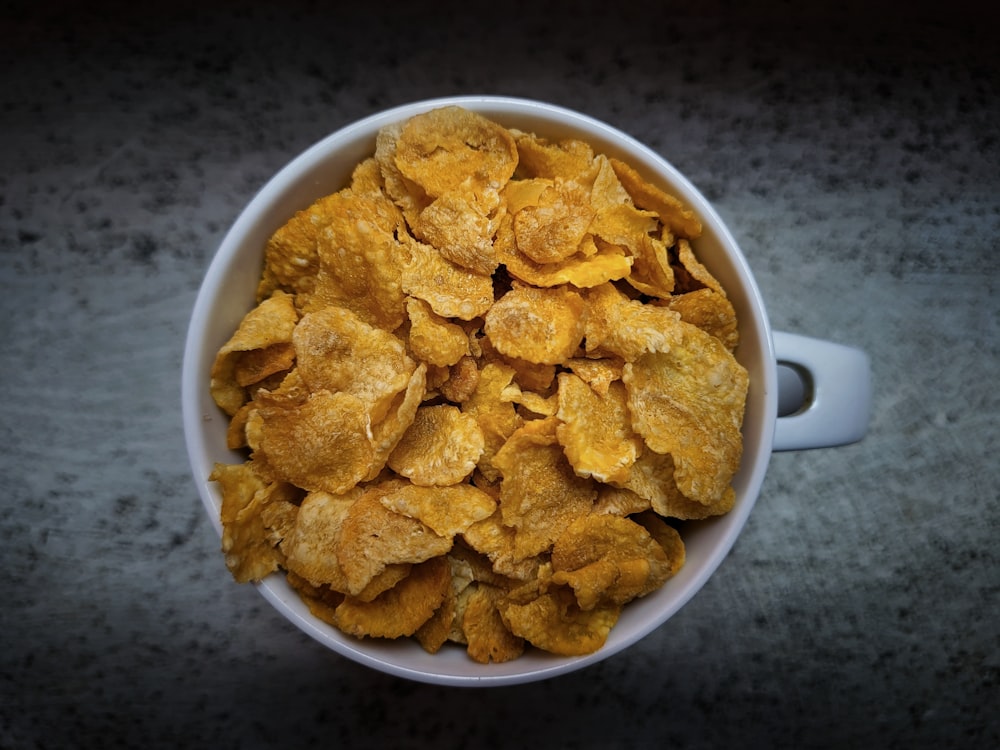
x=854 y=150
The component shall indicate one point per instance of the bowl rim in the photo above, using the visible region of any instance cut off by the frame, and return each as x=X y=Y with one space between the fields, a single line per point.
x=194 y=381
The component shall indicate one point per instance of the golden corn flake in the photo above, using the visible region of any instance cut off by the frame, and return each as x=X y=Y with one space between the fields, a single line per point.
x=236 y=432
x=452 y=149
x=694 y=274
x=321 y=443
x=405 y=193
x=710 y=311
x=339 y=352
x=497 y=418
x=476 y=381
x=618 y=501
x=471 y=566
x=496 y=541
x=366 y=179
x=372 y=537
x=441 y=446
x=689 y=402
x=608 y=559
x=402 y=609
x=487 y=636
x=280 y=513
x=598 y=373
x=539 y=157
x=606 y=192
x=437 y=630
x=450 y=290
x=291 y=258
x=249 y=554
x=552 y=229
x=461 y=230
x=587 y=268
x=311 y=550
x=462 y=380
x=520 y=194
x=259 y=364
x=533 y=376
x=539 y=325
x=433 y=339
x=652 y=273
x=596 y=431
x=391 y=574
x=321 y=600
x=361 y=260
x=530 y=401
x=555 y=623
x=385 y=435
x=540 y=493
x=651 y=480
x=447 y=511
x=667 y=537
x=266 y=326
x=669 y=208
x=623 y=225
x=622 y=327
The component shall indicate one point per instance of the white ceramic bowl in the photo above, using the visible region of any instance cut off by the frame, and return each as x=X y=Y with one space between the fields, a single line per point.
x=228 y=291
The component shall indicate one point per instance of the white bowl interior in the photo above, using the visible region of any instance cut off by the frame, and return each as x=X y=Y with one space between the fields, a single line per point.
x=227 y=293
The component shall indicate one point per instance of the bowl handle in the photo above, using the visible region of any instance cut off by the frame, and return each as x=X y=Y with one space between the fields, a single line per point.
x=824 y=393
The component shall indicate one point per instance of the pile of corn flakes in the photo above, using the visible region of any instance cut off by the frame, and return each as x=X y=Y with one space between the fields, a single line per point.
x=480 y=383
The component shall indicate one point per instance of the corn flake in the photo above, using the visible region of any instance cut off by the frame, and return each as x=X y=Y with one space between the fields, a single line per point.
x=608 y=559
x=496 y=541
x=584 y=269
x=569 y=159
x=595 y=431
x=402 y=609
x=447 y=511
x=373 y=537
x=540 y=493
x=437 y=630
x=265 y=327
x=450 y=290
x=689 y=402
x=360 y=260
x=667 y=537
x=497 y=418
x=539 y=325
x=555 y=623
x=250 y=554
x=291 y=258
x=452 y=149
x=320 y=443
x=461 y=230
x=621 y=327
x=434 y=339
x=710 y=311
x=441 y=446
x=405 y=193
x=618 y=501
x=669 y=208
x=462 y=380
x=598 y=373
x=312 y=543
x=487 y=636
x=651 y=481
x=652 y=273
x=339 y=352
x=552 y=229
x=690 y=272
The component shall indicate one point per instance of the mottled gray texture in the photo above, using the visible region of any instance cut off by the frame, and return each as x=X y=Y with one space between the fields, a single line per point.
x=853 y=150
